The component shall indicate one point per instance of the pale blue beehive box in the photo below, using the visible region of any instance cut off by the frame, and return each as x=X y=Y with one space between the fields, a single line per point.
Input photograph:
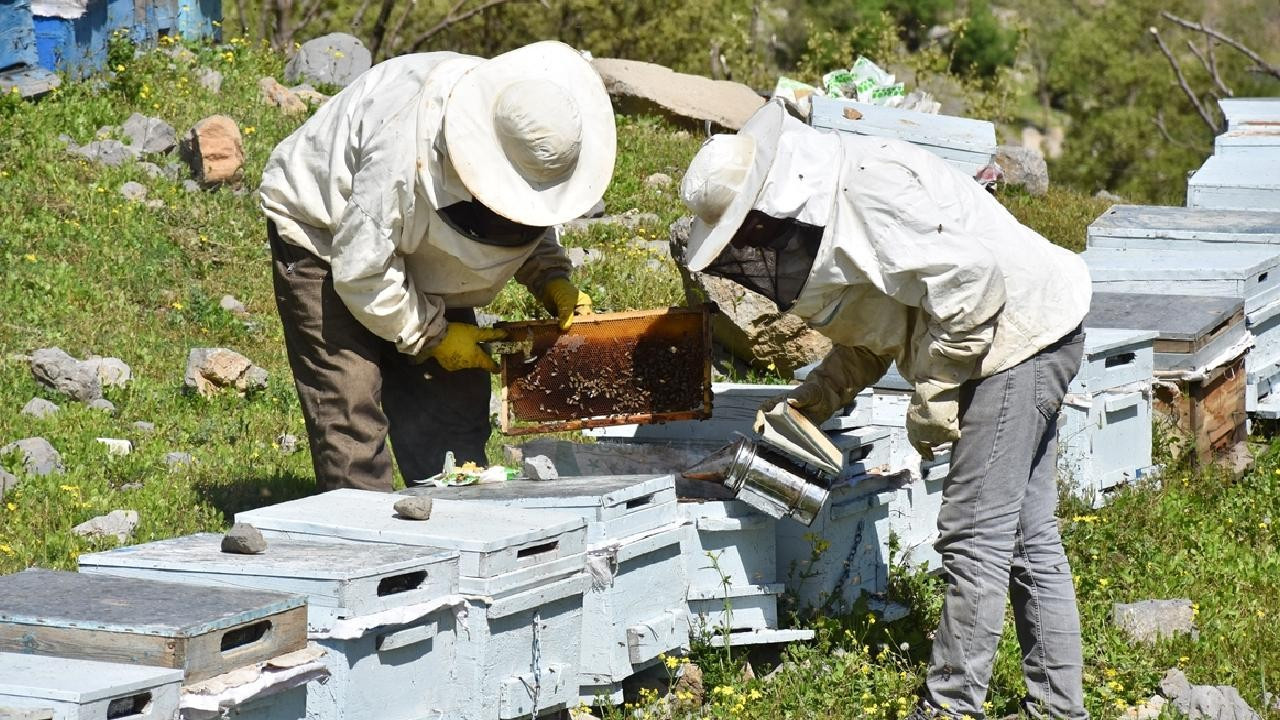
x=391 y=606
x=518 y=653
x=635 y=610
x=1237 y=181
x=1248 y=272
x=1253 y=126
x=1153 y=227
x=68 y=689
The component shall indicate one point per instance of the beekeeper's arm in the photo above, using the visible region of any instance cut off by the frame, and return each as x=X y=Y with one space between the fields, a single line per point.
x=841 y=375
x=546 y=274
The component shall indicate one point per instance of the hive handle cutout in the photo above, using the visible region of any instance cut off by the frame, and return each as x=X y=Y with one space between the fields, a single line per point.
x=396 y=584
x=245 y=636
x=131 y=707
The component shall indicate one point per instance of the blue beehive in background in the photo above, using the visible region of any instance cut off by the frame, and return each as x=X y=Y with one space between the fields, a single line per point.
x=18 y=57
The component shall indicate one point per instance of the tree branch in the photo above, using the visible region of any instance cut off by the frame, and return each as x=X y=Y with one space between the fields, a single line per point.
x=1159 y=121
x=1210 y=67
x=1263 y=65
x=380 y=27
x=308 y=14
x=454 y=17
x=1182 y=81
x=394 y=40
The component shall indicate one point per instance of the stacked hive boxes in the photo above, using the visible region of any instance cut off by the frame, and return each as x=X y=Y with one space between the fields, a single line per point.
x=524 y=572
x=383 y=613
x=635 y=608
x=1244 y=171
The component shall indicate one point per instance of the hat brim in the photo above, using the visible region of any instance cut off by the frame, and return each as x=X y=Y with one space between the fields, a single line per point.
x=708 y=240
x=477 y=155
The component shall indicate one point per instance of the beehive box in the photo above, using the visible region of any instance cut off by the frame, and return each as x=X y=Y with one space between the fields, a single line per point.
x=66 y=689
x=383 y=612
x=1251 y=273
x=518 y=654
x=914 y=512
x=201 y=631
x=1237 y=181
x=1253 y=125
x=635 y=609
x=1150 y=227
x=1114 y=358
x=1262 y=364
x=967 y=144
x=18 y=56
x=1198 y=357
x=275 y=689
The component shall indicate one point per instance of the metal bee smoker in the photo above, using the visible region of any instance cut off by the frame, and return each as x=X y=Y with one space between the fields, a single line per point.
x=767 y=481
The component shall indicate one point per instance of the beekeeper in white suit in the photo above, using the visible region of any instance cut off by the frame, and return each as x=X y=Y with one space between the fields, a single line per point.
x=897 y=256
x=409 y=199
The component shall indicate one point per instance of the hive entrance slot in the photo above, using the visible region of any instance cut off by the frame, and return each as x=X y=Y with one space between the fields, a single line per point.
x=128 y=707
x=401 y=583
x=1262 y=277
x=1118 y=360
x=535 y=550
x=639 y=502
x=247 y=635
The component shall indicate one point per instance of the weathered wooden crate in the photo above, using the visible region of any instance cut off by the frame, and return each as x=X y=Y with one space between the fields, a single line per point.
x=1153 y=227
x=383 y=612
x=203 y=631
x=1199 y=361
x=968 y=144
x=1237 y=181
x=68 y=689
x=518 y=649
x=635 y=609
x=1248 y=272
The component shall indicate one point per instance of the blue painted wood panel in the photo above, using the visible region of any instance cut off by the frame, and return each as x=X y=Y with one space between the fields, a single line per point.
x=17 y=34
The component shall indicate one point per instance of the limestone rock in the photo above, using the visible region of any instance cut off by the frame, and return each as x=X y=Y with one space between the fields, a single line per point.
x=216 y=151
x=596 y=210
x=333 y=59
x=119 y=523
x=749 y=325
x=1151 y=620
x=38 y=456
x=149 y=135
x=212 y=369
x=39 y=408
x=690 y=681
x=57 y=370
x=190 y=186
x=1025 y=167
x=133 y=191
x=631 y=220
x=8 y=481
x=1109 y=196
x=111 y=153
x=287 y=443
x=111 y=372
x=116 y=446
x=581 y=256
x=1207 y=702
x=658 y=180
x=244 y=539
x=210 y=80
x=309 y=94
x=103 y=405
x=177 y=460
x=1149 y=710
x=413 y=508
x=640 y=85
x=232 y=305
x=273 y=93
x=144 y=427
x=539 y=467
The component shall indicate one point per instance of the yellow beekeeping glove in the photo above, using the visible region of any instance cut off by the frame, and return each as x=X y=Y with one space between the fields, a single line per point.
x=564 y=301
x=460 y=348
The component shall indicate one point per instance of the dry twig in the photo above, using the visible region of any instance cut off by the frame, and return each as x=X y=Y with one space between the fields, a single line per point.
x=455 y=17
x=1262 y=65
x=1182 y=81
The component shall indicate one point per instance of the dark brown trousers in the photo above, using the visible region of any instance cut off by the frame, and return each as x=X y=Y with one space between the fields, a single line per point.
x=357 y=389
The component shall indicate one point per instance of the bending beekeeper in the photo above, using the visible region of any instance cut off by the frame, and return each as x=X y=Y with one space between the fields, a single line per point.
x=407 y=200
x=897 y=256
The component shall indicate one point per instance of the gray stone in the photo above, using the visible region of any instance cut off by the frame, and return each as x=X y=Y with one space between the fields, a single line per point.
x=58 y=371
x=154 y=204
x=111 y=372
x=1024 y=167
x=581 y=256
x=658 y=180
x=244 y=539
x=116 y=446
x=152 y=170
x=133 y=191
x=596 y=211
x=512 y=455
x=231 y=305
x=273 y=93
x=630 y=219
x=102 y=404
x=8 y=481
x=111 y=153
x=191 y=186
x=144 y=427
x=287 y=443
x=127 y=487
x=178 y=459
x=149 y=135
x=38 y=456
x=1210 y=702
x=749 y=325
x=539 y=467
x=1109 y=196
x=333 y=59
x=309 y=95
x=642 y=86
x=212 y=369
x=39 y=408
x=1151 y=620
x=182 y=55
x=413 y=508
x=118 y=523
x=1149 y=710
x=210 y=80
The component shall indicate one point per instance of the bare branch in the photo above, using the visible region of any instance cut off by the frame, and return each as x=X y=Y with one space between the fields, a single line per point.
x=1159 y=121
x=1263 y=65
x=309 y=13
x=455 y=17
x=1210 y=67
x=244 y=22
x=357 y=20
x=1182 y=81
x=394 y=40
x=380 y=27
x=1210 y=43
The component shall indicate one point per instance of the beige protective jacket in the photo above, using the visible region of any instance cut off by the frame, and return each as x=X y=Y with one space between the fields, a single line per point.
x=918 y=264
x=359 y=184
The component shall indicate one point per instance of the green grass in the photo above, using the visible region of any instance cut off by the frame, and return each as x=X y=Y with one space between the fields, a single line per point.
x=83 y=269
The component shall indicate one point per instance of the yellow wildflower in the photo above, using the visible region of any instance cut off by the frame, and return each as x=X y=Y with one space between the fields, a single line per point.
x=4 y=548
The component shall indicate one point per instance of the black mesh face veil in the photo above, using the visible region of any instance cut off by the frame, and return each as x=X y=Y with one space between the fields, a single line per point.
x=487 y=227
x=770 y=256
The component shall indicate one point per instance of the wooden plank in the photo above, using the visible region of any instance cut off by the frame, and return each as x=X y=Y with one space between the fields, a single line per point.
x=1150 y=226
x=1191 y=319
x=69 y=642
x=1208 y=415
x=203 y=656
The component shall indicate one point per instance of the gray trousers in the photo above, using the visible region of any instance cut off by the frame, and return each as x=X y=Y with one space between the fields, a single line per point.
x=998 y=537
x=357 y=389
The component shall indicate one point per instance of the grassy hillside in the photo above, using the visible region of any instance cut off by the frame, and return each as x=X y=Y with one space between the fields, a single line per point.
x=84 y=269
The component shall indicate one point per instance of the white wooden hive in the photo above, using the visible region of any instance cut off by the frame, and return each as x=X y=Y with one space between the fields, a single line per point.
x=1153 y=227
x=1104 y=440
x=1248 y=180
x=967 y=144
x=914 y=513
x=1114 y=357
x=501 y=550
x=87 y=689
x=1193 y=332
x=395 y=661
x=1253 y=125
x=1248 y=272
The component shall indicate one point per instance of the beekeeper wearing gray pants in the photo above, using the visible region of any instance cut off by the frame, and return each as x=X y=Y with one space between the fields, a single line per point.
x=897 y=256
x=407 y=200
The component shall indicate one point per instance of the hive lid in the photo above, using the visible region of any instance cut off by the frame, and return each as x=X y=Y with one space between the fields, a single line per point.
x=910 y=125
x=601 y=491
x=1183 y=223
x=140 y=607
x=1252 y=170
x=1172 y=317
x=1226 y=263
x=454 y=525
x=70 y=680
x=1103 y=339
x=1245 y=111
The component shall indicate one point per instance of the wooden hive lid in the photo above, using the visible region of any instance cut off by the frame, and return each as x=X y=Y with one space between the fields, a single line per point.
x=1259 y=170
x=1102 y=340
x=1177 y=319
x=601 y=491
x=1226 y=263
x=910 y=125
x=1185 y=223
x=60 y=679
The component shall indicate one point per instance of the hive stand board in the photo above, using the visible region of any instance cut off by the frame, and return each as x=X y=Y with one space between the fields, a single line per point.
x=1237 y=181
x=1156 y=227
x=1193 y=330
x=57 y=688
x=147 y=622
x=1248 y=272
x=501 y=550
